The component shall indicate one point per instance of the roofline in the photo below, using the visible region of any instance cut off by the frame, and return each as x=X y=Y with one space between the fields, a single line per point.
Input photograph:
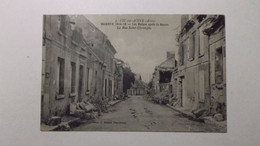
x=111 y=46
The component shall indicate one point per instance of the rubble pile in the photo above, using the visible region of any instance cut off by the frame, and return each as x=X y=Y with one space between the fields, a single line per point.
x=83 y=110
x=162 y=97
x=201 y=112
x=53 y=121
x=79 y=112
x=57 y=123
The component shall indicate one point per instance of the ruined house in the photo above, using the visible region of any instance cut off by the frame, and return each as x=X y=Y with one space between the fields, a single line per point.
x=163 y=81
x=201 y=67
x=72 y=68
x=217 y=56
x=163 y=74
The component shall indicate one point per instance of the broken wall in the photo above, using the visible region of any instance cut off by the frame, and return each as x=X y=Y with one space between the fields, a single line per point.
x=218 y=86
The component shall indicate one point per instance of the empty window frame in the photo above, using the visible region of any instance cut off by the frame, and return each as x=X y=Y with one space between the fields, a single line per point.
x=202 y=85
x=165 y=76
x=219 y=66
x=73 y=77
x=60 y=75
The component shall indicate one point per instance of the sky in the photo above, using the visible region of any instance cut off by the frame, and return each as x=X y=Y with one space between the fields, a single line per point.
x=141 y=49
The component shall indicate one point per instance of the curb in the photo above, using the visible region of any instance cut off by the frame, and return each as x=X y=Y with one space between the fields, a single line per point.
x=204 y=119
x=115 y=103
x=187 y=114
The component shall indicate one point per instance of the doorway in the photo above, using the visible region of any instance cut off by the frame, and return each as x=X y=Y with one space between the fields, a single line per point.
x=182 y=86
x=80 y=83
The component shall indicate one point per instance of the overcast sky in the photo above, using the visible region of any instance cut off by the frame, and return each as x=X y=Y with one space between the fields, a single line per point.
x=141 y=49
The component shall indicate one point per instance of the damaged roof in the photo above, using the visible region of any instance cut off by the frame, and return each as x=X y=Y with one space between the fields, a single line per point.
x=169 y=63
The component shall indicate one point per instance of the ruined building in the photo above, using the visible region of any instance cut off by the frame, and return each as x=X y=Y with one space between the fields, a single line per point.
x=217 y=57
x=162 y=76
x=78 y=63
x=202 y=67
x=163 y=83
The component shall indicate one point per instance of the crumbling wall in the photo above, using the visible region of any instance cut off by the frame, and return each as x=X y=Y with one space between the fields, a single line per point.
x=218 y=88
x=165 y=76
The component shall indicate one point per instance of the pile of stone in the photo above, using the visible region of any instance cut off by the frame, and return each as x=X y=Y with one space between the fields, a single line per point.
x=83 y=110
x=162 y=97
x=54 y=120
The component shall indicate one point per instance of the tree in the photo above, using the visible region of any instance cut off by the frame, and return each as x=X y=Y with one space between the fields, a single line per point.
x=150 y=84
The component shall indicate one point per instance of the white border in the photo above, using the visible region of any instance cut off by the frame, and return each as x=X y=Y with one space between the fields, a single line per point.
x=20 y=71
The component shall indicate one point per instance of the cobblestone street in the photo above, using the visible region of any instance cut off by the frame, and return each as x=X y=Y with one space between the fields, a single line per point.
x=138 y=114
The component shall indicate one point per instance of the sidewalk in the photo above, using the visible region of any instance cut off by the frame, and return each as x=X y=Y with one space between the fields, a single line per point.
x=114 y=102
x=183 y=111
x=208 y=119
x=67 y=121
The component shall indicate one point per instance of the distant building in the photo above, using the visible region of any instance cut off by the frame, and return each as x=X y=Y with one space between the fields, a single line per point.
x=138 y=87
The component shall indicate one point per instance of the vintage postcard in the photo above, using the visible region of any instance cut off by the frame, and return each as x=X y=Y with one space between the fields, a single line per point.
x=151 y=73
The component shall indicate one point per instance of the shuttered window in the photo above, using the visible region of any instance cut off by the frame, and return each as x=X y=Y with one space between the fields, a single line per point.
x=192 y=43
x=219 y=66
x=201 y=85
x=181 y=54
x=203 y=41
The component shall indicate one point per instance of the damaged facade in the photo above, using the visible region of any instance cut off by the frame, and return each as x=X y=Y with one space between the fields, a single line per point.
x=163 y=83
x=78 y=64
x=202 y=68
x=197 y=82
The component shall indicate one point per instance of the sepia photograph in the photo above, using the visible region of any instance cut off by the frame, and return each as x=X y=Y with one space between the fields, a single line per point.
x=129 y=72
x=134 y=73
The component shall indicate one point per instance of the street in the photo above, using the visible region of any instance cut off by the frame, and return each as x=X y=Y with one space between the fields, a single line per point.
x=138 y=114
